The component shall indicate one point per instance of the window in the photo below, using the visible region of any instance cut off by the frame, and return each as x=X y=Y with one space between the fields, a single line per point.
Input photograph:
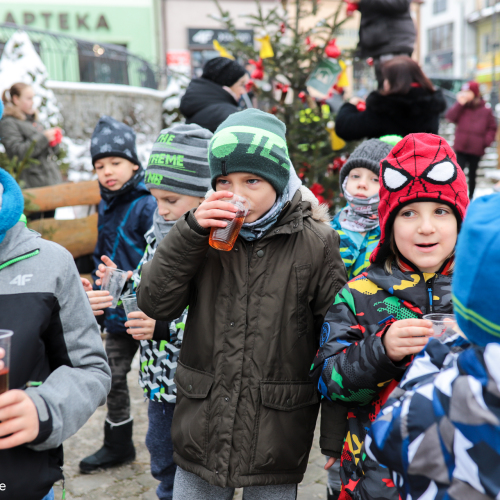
x=441 y=38
x=486 y=45
x=439 y=6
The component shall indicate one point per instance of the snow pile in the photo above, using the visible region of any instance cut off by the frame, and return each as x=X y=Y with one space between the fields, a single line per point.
x=21 y=63
x=176 y=88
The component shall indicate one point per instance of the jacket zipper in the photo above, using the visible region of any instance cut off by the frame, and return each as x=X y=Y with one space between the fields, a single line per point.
x=18 y=259
x=430 y=285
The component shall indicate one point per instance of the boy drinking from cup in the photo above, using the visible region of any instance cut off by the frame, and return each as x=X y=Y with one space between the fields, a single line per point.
x=246 y=408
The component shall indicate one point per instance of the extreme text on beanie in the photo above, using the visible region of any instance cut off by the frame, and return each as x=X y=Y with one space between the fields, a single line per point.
x=367 y=155
x=251 y=141
x=113 y=138
x=11 y=202
x=477 y=264
x=179 y=161
x=421 y=167
x=223 y=71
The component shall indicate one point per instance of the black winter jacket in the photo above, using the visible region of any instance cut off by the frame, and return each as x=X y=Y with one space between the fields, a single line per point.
x=386 y=28
x=401 y=114
x=207 y=104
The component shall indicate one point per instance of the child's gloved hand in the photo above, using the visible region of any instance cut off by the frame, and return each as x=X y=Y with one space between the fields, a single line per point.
x=406 y=337
x=18 y=419
x=145 y=326
x=99 y=299
x=102 y=267
x=212 y=210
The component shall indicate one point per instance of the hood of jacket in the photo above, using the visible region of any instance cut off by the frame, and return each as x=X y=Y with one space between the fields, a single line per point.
x=15 y=112
x=202 y=93
x=416 y=103
x=18 y=242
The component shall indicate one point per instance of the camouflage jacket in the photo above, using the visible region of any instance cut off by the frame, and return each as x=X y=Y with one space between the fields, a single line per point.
x=159 y=359
x=353 y=369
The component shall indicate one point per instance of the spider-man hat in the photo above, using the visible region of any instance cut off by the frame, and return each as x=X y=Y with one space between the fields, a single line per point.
x=421 y=167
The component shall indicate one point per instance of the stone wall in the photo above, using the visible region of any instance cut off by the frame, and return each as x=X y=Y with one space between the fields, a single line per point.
x=82 y=104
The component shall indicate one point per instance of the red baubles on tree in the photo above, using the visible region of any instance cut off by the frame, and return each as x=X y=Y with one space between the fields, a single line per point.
x=361 y=106
x=258 y=73
x=331 y=50
x=310 y=45
x=351 y=8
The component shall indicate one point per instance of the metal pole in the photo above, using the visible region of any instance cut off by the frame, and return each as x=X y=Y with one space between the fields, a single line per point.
x=494 y=91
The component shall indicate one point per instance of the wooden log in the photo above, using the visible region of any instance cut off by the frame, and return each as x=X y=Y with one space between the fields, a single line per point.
x=62 y=195
x=78 y=236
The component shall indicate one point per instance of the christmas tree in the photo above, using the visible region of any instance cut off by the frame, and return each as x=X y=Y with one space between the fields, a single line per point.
x=21 y=63
x=296 y=69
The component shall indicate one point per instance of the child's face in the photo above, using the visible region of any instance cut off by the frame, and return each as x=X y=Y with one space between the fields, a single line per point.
x=172 y=206
x=255 y=189
x=426 y=233
x=362 y=183
x=113 y=172
x=25 y=101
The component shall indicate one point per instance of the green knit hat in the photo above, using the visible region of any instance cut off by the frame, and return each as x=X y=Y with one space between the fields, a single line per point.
x=251 y=141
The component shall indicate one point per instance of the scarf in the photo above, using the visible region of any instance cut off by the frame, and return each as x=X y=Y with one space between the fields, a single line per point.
x=107 y=195
x=161 y=226
x=251 y=231
x=360 y=214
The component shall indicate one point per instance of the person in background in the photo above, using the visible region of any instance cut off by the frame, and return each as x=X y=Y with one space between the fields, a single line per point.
x=386 y=30
x=209 y=100
x=125 y=215
x=476 y=128
x=58 y=373
x=407 y=103
x=19 y=129
x=440 y=432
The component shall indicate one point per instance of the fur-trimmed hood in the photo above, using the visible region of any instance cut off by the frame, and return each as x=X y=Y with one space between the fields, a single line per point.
x=13 y=111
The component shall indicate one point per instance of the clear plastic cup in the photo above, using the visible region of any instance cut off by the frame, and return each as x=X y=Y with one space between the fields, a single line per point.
x=130 y=305
x=5 y=341
x=444 y=325
x=113 y=281
x=223 y=238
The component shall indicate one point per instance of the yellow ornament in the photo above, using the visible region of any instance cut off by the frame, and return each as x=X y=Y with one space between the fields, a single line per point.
x=266 y=49
x=337 y=142
x=222 y=51
x=343 y=81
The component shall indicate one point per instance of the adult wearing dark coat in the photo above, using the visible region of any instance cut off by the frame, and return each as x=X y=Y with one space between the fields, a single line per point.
x=476 y=129
x=407 y=104
x=209 y=100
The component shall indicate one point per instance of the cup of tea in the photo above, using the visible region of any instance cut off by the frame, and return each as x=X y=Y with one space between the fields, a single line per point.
x=223 y=238
x=5 y=340
x=130 y=305
x=444 y=325
x=113 y=281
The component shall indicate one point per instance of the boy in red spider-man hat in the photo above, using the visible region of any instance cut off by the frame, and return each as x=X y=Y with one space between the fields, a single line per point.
x=375 y=325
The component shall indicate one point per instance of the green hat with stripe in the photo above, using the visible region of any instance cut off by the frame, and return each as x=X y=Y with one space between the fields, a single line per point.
x=251 y=141
x=178 y=161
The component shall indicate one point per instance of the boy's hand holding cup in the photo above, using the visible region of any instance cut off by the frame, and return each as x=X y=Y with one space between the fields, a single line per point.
x=406 y=337
x=212 y=211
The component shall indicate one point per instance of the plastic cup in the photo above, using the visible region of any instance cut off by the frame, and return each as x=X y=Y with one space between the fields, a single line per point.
x=130 y=305
x=223 y=238
x=113 y=281
x=5 y=340
x=444 y=325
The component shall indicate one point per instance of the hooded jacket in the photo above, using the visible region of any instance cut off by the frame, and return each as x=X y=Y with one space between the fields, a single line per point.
x=399 y=114
x=386 y=27
x=441 y=437
x=17 y=132
x=476 y=127
x=207 y=104
x=246 y=408
x=56 y=342
x=352 y=368
x=123 y=220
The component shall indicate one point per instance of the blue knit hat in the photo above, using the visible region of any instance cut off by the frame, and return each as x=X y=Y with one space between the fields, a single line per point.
x=475 y=280
x=113 y=138
x=11 y=202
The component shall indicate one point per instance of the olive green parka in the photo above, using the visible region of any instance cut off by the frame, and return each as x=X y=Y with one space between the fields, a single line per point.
x=246 y=407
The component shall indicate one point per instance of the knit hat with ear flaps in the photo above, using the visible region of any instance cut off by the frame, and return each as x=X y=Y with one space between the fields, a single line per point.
x=368 y=155
x=477 y=265
x=421 y=167
x=223 y=71
x=251 y=141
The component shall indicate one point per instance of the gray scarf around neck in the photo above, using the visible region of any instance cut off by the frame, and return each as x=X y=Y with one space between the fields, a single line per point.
x=359 y=215
x=161 y=226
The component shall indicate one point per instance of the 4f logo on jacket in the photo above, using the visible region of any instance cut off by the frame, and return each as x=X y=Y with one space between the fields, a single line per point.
x=21 y=279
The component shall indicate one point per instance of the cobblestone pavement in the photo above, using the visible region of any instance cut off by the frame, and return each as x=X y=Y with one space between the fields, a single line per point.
x=134 y=480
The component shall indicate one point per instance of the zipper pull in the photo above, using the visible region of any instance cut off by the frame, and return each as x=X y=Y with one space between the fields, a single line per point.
x=430 y=299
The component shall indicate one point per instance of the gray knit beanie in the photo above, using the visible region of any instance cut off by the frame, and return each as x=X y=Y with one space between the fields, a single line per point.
x=367 y=155
x=179 y=161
